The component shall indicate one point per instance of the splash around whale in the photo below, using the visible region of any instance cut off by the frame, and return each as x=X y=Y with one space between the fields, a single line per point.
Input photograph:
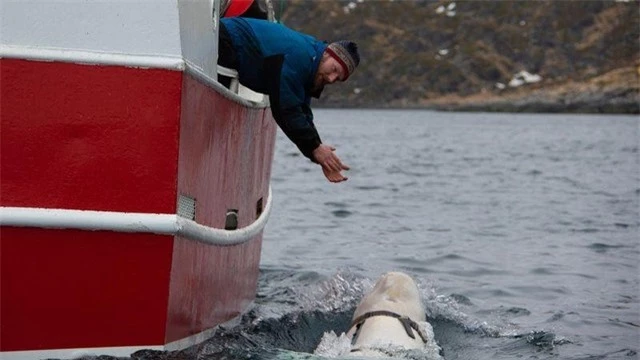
x=390 y=321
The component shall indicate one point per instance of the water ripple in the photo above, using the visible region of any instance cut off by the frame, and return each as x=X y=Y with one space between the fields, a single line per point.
x=525 y=212
x=603 y=248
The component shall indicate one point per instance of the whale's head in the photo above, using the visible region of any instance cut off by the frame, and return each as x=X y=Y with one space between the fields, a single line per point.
x=396 y=292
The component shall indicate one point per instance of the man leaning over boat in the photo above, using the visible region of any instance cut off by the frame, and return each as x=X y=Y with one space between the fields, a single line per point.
x=290 y=67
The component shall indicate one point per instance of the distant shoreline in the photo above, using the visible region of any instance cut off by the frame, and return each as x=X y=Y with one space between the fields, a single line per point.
x=597 y=106
x=533 y=107
x=616 y=92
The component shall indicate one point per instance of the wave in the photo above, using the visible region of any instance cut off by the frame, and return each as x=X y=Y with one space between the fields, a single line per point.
x=297 y=311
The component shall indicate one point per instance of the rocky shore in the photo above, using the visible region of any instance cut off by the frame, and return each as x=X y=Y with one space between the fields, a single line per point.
x=617 y=92
x=494 y=55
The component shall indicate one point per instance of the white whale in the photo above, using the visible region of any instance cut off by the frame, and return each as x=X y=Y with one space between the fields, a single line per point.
x=390 y=316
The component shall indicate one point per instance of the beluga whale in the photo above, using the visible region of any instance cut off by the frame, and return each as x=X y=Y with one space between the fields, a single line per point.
x=390 y=320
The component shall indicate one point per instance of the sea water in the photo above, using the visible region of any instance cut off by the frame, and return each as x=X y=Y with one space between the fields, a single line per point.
x=521 y=230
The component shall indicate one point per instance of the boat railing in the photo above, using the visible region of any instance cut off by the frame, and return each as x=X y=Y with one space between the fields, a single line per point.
x=232 y=74
x=237 y=88
x=163 y=224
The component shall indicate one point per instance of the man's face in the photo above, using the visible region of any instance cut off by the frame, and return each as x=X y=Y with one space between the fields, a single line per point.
x=329 y=72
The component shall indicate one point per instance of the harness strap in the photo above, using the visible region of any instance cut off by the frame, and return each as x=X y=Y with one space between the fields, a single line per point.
x=406 y=322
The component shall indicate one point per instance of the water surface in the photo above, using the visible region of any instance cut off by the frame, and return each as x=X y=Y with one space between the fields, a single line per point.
x=521 y=231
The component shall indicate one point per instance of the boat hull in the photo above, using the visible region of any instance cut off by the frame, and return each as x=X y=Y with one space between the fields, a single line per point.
x=120 y=140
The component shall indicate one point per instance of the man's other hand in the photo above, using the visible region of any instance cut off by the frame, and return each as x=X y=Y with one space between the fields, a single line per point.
x=330 y=162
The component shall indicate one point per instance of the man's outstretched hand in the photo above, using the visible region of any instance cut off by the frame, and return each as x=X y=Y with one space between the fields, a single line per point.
x=334 y=176
x=332 y=167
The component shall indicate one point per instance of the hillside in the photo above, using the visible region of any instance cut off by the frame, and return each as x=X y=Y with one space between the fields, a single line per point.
x=547 y=55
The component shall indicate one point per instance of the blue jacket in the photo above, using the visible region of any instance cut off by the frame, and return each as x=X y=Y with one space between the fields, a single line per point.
x=282 y=63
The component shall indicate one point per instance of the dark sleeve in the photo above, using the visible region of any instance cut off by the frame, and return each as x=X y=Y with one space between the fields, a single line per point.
x=295 y=121
x=297 y=124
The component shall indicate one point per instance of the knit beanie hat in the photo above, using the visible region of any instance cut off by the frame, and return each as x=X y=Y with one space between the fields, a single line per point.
x=346 y=53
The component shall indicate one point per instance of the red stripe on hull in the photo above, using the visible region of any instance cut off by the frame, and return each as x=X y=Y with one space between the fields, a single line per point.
x=210 y=285
x=89 y=137
x=70 y=288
